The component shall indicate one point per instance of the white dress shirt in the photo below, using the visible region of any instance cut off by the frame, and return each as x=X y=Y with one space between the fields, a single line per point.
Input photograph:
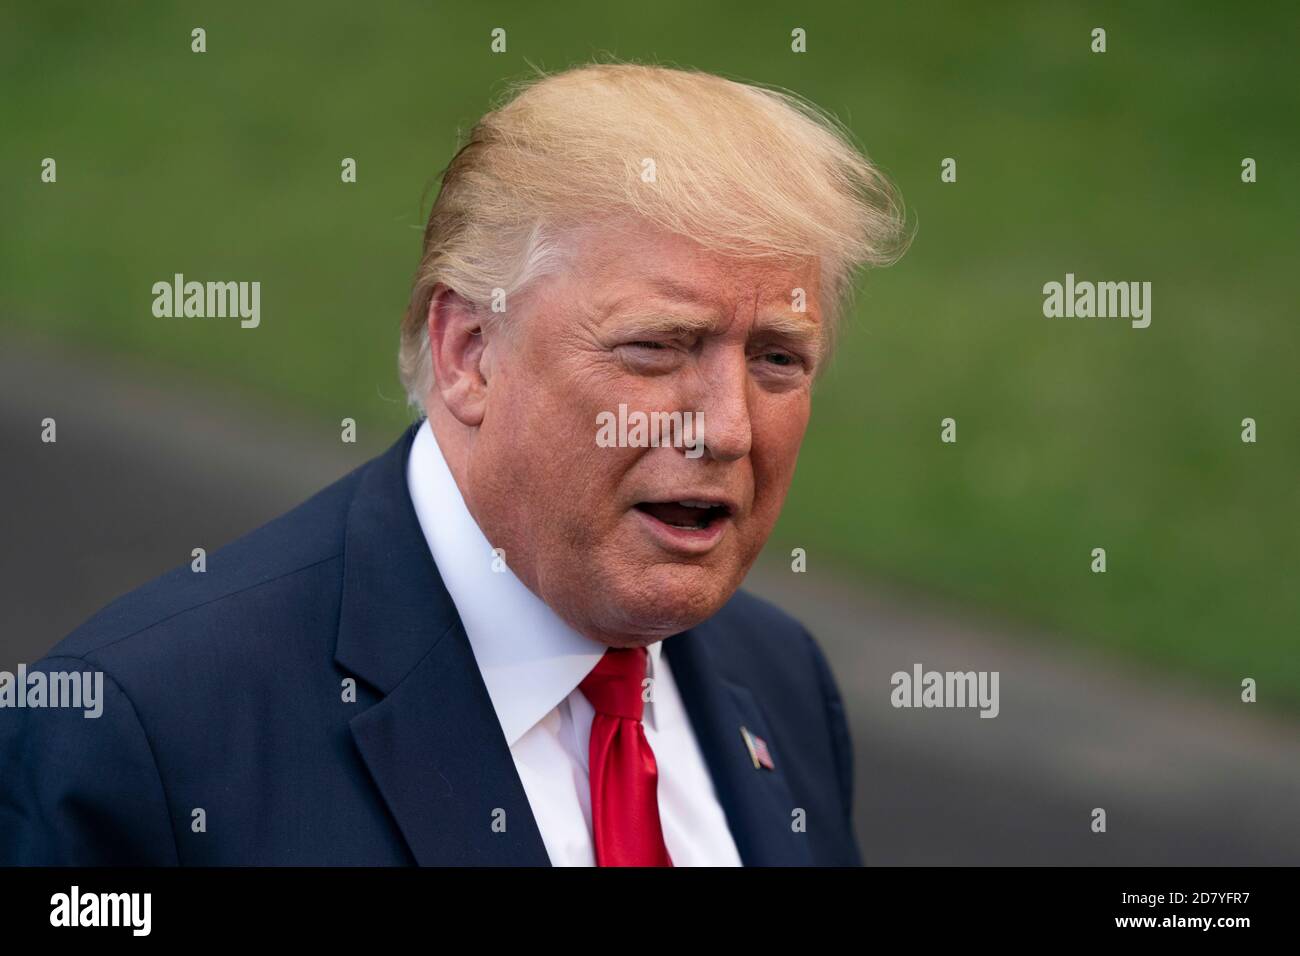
x=532 y=662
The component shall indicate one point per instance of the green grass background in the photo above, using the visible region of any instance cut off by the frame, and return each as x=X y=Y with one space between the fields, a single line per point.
x=1072 y=435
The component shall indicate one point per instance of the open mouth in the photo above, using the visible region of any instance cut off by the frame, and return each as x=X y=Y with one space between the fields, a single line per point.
x=687 y=515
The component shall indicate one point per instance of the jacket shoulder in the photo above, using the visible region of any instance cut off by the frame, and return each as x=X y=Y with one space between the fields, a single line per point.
x=308 y=535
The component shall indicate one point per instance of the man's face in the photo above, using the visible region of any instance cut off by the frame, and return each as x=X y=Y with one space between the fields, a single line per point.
x=656 y=323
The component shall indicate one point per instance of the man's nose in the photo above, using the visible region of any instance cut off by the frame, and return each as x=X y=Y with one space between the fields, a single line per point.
x=725 y=406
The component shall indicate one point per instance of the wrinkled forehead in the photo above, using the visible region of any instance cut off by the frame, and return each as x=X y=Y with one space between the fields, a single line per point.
x=617 y=261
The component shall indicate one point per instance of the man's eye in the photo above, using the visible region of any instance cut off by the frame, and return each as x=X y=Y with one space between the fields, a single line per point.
x=649 y=358
x=781 y=359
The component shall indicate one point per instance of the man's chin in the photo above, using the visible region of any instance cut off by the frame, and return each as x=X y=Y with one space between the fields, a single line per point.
x=666 y=599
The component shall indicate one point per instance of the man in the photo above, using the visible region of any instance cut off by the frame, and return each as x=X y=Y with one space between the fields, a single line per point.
x=516 y=637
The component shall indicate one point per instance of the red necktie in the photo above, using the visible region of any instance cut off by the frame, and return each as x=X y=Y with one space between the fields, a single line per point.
x=624 y=777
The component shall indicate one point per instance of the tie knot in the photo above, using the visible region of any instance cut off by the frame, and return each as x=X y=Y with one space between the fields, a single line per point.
x=614 y=685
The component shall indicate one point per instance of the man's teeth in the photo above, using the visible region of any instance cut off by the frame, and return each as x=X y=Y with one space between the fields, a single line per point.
x=695 y=504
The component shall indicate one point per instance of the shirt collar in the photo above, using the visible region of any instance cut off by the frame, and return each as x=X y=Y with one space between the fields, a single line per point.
x=530 y=658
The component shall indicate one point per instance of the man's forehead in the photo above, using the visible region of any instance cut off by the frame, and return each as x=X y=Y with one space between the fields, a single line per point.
x=703 y=288
x=677 y=268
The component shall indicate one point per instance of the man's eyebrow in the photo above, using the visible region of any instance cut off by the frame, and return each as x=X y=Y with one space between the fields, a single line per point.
x=644 y=320
x=791 y=325
x=634 y=314
x=799 y=327
x=647 y=320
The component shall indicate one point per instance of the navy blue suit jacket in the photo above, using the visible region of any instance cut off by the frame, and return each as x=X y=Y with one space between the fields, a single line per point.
x=223 y=692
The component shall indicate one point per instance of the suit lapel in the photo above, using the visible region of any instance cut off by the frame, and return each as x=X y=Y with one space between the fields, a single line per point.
x=433 y=744
x=757 y=802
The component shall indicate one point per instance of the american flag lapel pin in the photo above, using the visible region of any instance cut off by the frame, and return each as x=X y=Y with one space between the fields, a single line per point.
x=757 y=747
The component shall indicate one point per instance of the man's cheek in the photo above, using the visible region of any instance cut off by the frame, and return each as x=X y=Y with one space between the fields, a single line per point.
x=776 y=447
x=771 y=485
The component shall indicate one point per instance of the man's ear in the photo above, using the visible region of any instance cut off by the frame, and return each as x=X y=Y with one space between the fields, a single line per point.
x=456 y=348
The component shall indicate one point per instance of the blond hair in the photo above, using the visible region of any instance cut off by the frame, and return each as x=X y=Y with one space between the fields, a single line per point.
x=741 y=169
